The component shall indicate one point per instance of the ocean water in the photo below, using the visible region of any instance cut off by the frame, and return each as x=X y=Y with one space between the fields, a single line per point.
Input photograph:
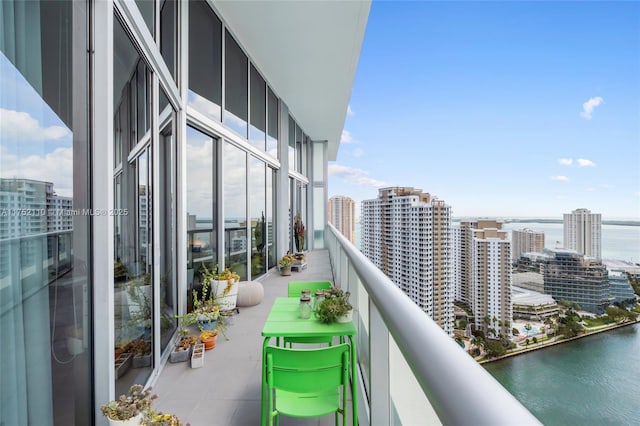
x=590 y=381
x=619 y=242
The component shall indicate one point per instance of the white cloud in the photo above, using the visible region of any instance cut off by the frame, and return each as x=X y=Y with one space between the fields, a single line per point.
x=354 y=176
x=560 y=178
x=56 y=167
x=346 y=137
x=358 y=152
x=350 y=111
x=589 y=106
x=18 y=125
x=565 y=161
x=585 y=163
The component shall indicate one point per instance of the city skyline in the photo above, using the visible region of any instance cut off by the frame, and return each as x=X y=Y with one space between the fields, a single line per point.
x=475 y=101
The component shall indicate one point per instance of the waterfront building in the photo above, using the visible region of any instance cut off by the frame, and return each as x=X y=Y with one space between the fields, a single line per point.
x=583 y=232
x=571 y=276
x=525 y=241
x=342 y=215
x=532 y=305
x=485 y=274
x=533 y=281
x=530 y=262
x=620 y=272
x=407 y=234
x=194 y=131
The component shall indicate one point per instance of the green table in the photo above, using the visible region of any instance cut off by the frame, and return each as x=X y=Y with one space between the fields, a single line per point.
x=283 y=321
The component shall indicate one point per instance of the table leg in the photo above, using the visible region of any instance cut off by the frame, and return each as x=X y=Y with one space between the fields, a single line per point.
x=354 y=382
x=263 y=408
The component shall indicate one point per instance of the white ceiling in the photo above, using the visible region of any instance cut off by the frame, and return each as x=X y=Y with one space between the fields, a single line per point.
x=308 y=51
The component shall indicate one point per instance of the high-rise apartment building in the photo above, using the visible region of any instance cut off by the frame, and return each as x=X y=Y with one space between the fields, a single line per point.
x=342 y=215
x=407 y=234
x=484 y=274
x=526 y=241
x=583 y=232
x=570 y=276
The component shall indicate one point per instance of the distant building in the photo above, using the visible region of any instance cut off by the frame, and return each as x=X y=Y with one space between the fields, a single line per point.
x=485 y=273
x=407 y=234
x=525 y=241
x=342 y=216
x=532 y=305
x=533 y=281
x=530 y=262
x=570 y=276
x=620 y=272
x=583 y=232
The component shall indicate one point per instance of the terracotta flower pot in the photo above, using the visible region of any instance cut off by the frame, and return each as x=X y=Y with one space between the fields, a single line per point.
x=209 y=343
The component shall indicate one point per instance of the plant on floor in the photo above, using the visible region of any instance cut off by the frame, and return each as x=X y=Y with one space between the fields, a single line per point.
x=335 y=305
x=128 y=406
x=286 y=260
x=214 y=275
x=162 y=419
x=298 y=232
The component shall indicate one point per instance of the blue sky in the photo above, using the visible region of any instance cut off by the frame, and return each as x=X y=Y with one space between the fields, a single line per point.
x=498 y=108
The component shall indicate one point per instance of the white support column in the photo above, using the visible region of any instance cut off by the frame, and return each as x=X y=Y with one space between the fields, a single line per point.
x=102 y=198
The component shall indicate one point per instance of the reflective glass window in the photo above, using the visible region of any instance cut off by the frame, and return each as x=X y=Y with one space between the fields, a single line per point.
x=235 y=86
x=272 y=124
x=169 y=33
x=258 y=216
x=258 y=128
x=205 y=60
x=235 y=209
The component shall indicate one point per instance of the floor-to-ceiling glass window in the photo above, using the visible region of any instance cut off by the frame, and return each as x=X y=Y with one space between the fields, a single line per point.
x=169 y=34
x=167 y=228
x=234 y=166
x=205 y=60
x=291 y=148
x=271 y=214
x=45 y=317
x=202 y=206
x=235 y=86
x=258 y=216
x=133 y=201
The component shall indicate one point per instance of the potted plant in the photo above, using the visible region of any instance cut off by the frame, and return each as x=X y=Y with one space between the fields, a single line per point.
x=205 y=309
x=335 y=307
x=209 y=337
x=298 y=233
x=141 y=350
x=285 y=264
x=182 y=351
x=161 y=419
x=128 y=410
x=222 y=285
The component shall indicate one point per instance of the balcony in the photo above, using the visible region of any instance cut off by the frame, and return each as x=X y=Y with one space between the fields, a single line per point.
x=410 y=371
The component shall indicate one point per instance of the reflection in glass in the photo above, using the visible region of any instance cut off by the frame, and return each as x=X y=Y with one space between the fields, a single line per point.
x=45 y=318
x=167 y=194
x=168 y=34
x=205 y=60
x=272 y=122
x=292 y=143
x=235 y=209
x=133 y=279
x=257 y=207
x=147 y=10
x=257 y=130
x=201 y=207
x=271 y=213
x=235 y=86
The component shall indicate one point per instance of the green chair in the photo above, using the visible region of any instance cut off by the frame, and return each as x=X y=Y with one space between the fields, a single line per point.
x=307 y=382
x=295 y=288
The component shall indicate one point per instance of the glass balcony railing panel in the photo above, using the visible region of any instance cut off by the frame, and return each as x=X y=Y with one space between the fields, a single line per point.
x=362 y=308
x=410 y=406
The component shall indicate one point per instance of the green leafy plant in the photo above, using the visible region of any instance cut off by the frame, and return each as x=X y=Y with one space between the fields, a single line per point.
x=335 y=305
x=286 y=260
x=162 y=419
x=127 y=406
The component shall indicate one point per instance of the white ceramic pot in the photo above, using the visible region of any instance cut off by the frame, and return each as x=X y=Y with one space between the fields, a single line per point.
x=227 y=302
x=133 y=421
x=348 y=317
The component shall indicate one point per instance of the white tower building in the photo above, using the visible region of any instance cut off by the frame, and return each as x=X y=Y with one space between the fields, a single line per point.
x=583 y=232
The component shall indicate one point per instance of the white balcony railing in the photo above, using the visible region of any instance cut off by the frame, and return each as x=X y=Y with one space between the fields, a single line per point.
x=411 y=371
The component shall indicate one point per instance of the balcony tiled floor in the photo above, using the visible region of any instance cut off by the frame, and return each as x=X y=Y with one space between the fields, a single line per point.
x=226 y=391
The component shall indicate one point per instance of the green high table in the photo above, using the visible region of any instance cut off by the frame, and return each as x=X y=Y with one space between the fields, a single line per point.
x=283 y=321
